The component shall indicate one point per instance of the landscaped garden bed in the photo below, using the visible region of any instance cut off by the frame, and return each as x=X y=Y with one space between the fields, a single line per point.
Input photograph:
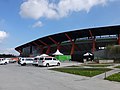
x=98 y=65
x=117 y=67
x=114 y=77
x=89 y=72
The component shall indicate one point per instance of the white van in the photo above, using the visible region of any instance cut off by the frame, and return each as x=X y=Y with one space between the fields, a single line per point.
x=46 y=61
x=25 y=61
x=4 y=61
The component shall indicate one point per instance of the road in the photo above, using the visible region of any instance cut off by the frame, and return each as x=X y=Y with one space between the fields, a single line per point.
x=16 y=77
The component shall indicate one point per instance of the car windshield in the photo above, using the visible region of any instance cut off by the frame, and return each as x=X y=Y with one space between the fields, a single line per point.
x=29 y=59
x=54 y=58
x=41 y=58
x=48 y=58
x=36 y=58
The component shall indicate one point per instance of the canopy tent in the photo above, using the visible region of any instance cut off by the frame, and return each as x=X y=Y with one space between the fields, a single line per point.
x=42 y=55
x=57 y=53
x=88 y=54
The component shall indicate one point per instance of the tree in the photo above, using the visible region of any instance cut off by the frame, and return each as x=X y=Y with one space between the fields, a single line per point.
x=6 y=55
x=113 y=51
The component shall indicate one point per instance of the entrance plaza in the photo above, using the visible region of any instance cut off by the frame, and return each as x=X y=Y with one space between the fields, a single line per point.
x=16 y=77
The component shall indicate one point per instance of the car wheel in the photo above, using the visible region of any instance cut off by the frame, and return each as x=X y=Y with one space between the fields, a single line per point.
x=24 y=64
x=47 y=65
x=58 y=64
x=5 y=63
x=36 y=65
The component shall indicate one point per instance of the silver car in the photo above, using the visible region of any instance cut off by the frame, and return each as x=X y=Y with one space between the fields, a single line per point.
x=25 y=61
x=46 y=61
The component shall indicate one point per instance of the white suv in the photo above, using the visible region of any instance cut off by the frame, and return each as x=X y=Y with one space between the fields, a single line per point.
x=25 y=61
x=46 y=61
x=4 y=61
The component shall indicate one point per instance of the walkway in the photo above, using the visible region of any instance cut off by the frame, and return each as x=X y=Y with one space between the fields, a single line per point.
x=106 y=74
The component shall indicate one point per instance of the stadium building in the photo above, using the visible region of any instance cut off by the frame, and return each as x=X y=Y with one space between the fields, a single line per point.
x=74 y=43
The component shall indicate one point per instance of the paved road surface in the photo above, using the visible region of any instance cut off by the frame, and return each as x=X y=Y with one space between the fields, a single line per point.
x=15 y=77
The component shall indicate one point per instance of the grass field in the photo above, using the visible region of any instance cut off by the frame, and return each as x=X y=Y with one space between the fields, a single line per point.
x=89 y=72
x=114 y=77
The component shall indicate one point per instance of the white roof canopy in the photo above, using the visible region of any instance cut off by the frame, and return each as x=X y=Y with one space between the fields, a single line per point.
x=87 y=54
x=57 y=53
x=42 y=55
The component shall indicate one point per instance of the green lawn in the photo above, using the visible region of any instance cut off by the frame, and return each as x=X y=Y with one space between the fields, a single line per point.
x=114 y=77
x=98 y=65
x=89 y=72
x=117 y=67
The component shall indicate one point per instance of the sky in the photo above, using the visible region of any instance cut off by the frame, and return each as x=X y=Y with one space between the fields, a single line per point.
x=22 y=21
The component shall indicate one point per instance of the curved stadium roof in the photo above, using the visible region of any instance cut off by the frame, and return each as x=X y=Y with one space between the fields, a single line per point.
x=81 y=33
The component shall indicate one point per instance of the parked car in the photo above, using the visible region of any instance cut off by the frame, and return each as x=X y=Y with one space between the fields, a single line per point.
x=25 y=61
x=12 y=61
x=4 y=61
x=46 y=61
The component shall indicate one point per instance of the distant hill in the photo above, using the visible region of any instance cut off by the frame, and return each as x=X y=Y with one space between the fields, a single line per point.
x=6 y=55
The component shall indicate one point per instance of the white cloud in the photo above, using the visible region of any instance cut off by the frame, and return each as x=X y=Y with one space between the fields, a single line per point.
x=50 y=9
x=3 y=35
x=37 y=24
x=9 y=51
x=65 y=7
x=37 y=8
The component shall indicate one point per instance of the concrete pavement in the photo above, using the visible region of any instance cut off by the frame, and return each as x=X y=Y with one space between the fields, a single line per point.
x=106 y=74
x=15 y=77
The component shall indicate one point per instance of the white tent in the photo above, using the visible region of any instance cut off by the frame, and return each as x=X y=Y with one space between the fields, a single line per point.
x=57 y=53
x=42 y=55
x=88 y=54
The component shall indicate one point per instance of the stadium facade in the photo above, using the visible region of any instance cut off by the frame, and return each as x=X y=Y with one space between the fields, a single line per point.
x=74 y=43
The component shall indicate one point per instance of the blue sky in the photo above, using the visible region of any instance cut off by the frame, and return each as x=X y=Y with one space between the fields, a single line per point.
x=22 y=21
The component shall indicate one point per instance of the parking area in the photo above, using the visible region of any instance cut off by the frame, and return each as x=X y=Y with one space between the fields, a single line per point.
x=16 y=77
